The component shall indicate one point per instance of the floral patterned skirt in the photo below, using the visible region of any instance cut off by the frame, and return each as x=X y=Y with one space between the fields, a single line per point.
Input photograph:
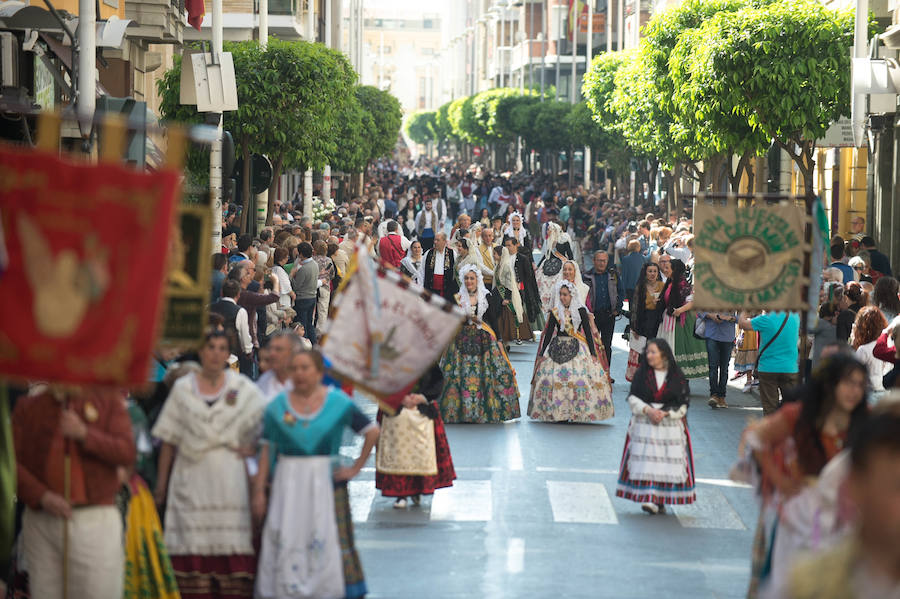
x=575 y=389
x=479 y=381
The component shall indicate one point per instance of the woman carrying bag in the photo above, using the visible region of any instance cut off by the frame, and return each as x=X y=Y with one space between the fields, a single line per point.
x=413 y=456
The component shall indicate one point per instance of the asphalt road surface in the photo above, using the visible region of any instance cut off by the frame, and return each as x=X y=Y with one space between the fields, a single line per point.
x=533 y=513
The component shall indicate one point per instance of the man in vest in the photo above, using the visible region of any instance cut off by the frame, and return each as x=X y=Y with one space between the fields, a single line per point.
x=438 y=271
x=237 y=325
x=486 y=249
x=390 y=247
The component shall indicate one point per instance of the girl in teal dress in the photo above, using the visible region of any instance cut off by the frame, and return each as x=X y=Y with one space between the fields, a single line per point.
x=307 y=544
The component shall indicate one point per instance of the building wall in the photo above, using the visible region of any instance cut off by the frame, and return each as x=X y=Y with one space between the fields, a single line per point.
x=402 y=55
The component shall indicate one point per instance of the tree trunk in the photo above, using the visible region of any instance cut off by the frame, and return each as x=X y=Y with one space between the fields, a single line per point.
x=571 y=160
x=245 y=182
x=276 y=173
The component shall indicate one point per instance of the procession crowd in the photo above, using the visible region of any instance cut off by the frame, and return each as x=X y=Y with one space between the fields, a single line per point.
x=236 y=444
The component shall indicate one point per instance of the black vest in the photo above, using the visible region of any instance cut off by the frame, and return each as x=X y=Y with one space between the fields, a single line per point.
x=229 y=311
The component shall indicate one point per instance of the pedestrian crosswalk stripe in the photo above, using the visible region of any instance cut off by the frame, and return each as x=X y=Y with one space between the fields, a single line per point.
x=515 y=556
x=711 y=510
x=583 y=503
x=572 y=502
x=513 y=449
x=465 y=501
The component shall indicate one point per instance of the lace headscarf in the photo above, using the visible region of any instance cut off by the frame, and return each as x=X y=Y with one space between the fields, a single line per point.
x=481 y=291
x=574 y=306
x=580 y=285
x=508 y=230
x=506 y=277
x=412 y=266
x=553 y=233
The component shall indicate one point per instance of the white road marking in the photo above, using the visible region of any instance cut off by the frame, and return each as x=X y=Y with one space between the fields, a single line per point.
x=586 y=503
x=515 y=556
x=362 y=493
x=465 y=501
x=513 y=450
x=711 y=510
x=575 y=470
x=723 y=482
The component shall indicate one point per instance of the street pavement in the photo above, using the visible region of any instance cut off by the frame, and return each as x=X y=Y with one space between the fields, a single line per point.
x=533 y=513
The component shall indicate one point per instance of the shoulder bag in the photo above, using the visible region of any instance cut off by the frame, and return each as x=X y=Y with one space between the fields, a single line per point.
x=766 y=346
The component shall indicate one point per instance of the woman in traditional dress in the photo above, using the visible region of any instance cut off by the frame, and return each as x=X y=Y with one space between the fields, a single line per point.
x=515 y=229
x=677 y=326
x=512 y=320
x=657 y=467
x=207 y=426
x=523 y=268
x=307 y=543
x=412 y=263
x=557 y=249
x=467 y=255
x=424 y=399
x=569 y=381
x=791 y=448
x=479 y=381
x=646 y=315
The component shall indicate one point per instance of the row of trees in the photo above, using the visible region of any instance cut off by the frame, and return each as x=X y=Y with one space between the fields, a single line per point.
x=299 y=104
x=498 y=118
x=714 y=83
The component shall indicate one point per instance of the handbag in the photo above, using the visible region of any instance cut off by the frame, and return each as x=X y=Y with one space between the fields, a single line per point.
x=700 y=328
x=766 y=346
x=406 y=445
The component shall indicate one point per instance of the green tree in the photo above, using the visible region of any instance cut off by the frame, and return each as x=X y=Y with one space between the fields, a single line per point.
x=785 y=67
x=387 y=116
x=420 y=126
x=355 y=132
x=286 y=108
x=442 y=128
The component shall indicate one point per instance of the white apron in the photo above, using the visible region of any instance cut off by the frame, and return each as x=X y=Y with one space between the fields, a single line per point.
x=657 y=452
x=300 y=556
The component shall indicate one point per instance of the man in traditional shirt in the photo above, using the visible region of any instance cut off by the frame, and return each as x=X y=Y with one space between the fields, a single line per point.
x=68 y=448
x=437 y=273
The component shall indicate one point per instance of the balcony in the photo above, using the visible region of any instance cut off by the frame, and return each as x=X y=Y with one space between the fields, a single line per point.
x=158 y=21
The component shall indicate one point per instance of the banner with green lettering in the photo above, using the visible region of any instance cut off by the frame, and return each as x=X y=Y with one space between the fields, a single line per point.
x=749 y=257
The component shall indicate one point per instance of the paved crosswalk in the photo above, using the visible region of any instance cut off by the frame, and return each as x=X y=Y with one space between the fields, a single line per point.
x=570 y=502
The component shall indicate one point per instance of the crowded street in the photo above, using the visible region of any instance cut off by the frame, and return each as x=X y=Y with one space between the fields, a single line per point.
x=533 y=514
x=446 y=299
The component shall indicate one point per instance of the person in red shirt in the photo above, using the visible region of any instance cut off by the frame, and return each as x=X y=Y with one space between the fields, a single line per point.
x=390 y=247
x=92 y=427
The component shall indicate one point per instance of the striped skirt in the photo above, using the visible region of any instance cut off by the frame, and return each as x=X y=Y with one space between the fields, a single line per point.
x=657 y=463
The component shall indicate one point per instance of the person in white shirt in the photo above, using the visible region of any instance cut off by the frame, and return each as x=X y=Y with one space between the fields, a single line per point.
x=237 y=325
x=870 y=323
x=282 y=347
x=437 y=273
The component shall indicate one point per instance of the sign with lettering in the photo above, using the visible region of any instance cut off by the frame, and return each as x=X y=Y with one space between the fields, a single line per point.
x=749 y=257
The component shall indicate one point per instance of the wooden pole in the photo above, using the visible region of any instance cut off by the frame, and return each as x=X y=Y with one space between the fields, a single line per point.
x=67 y=494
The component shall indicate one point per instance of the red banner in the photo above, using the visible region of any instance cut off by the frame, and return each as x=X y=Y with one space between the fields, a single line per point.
x=87 y=244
